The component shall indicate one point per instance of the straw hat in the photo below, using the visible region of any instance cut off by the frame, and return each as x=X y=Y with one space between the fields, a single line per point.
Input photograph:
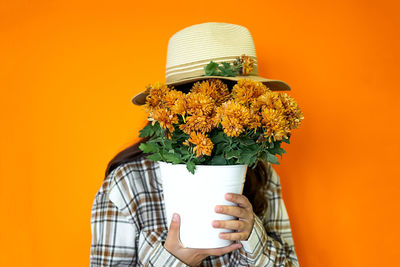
x=192 y=48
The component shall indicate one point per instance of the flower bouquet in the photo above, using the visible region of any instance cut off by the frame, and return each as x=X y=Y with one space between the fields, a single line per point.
x=205 y=139
x=211 y=125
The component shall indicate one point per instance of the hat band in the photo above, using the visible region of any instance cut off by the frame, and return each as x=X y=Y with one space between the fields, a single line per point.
x=196 y=69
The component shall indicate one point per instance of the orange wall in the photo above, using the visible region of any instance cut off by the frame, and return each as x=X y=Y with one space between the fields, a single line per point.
x=68 y=72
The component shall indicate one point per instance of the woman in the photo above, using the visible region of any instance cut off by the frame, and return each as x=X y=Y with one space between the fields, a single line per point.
x=129 y=225
x=128 y=220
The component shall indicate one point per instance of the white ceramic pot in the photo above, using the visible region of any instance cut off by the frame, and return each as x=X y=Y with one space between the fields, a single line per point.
x=194 y=197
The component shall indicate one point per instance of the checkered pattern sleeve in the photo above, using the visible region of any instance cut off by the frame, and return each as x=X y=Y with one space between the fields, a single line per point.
x=117 y=238
x=270 y=243
x=113 y=235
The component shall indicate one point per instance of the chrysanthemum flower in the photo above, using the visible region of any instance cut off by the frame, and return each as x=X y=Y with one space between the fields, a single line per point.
x=216 y=116
x=165 y=117
x=203 y=144
x=214 y=88
x=274 y=124
x=199 y=103
x=245 y=90
x=198 y=123
x=269 y=99
x=176 y=102
x=291 y=111
x=254 y=120
x=156 y=94
x=248 y=64
x=232 y=126
x=234 y=117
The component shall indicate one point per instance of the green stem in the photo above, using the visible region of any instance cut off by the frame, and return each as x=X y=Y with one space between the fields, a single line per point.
x=163 y=143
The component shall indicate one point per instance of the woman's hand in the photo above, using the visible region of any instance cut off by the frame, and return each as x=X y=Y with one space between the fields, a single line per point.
x=244 y=212
x=191 y=256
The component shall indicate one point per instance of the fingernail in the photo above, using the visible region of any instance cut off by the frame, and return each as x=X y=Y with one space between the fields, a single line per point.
x=228 y=196
x=216 y=224
x=218 y=209
x=175 y=217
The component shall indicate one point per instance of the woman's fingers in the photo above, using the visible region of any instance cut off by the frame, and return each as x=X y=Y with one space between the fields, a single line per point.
x=241 y=200
x=173 y=232
x=190 y=256
x=235 y=236
x=244 y=212
x=221 y=251
x=233 y=211
x=232 y=224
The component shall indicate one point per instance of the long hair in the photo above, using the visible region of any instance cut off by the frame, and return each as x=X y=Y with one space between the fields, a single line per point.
x=253 y=189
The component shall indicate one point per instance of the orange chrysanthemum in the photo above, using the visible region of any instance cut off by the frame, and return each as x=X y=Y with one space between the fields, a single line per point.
x=274 y=124
x=217 y=116
x=234 y=118
x=248 y=64
x=214 y=88
x=176 y=102
x=198 y=123
x=291 y=111
x=199 y=103
x=203 y=144
x=165 y=117
x=245 y=90
x=269 y=99
x=155 y=98
x=254 y=120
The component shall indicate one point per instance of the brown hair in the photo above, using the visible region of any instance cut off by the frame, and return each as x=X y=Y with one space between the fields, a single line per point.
x=254 y=186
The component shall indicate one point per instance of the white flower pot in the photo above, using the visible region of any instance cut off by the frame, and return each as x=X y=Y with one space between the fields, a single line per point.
x=194 y=197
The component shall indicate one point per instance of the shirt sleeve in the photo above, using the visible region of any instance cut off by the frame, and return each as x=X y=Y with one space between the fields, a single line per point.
x=161 y=257
x=113 y=235
x=115 y=238
x=270 y=243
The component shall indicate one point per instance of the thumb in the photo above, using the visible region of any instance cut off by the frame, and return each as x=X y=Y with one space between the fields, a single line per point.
x=174 y=226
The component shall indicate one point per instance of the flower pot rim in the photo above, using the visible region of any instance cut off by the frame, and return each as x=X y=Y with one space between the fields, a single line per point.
x=201 y=165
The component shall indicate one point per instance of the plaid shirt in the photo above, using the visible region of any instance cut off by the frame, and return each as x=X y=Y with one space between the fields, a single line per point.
x=129 y=227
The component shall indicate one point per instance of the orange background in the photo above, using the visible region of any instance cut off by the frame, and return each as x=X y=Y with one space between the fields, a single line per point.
x=68 y=72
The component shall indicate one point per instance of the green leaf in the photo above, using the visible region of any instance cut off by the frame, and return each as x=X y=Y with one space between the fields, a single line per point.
x=227 y=70
x=168 y=144
x=277 y=150
x=231 y=161
x=272 y=144
x=254 y=147
x=264 y=155
x=211 y=69
x=154 y=157
x=246 y=141
x=171 y=157
x=148 y=130
x=219 y=138
x=248 y=156
x=272 y=158
x=286 y=140
x=184 y=150
x=158 y=131
x=148 y=147
x=232 y=154
x=219 y=148
x=218 y=160
x=190 y=166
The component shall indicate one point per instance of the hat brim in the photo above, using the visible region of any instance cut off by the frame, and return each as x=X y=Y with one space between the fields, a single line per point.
x=274 y=85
